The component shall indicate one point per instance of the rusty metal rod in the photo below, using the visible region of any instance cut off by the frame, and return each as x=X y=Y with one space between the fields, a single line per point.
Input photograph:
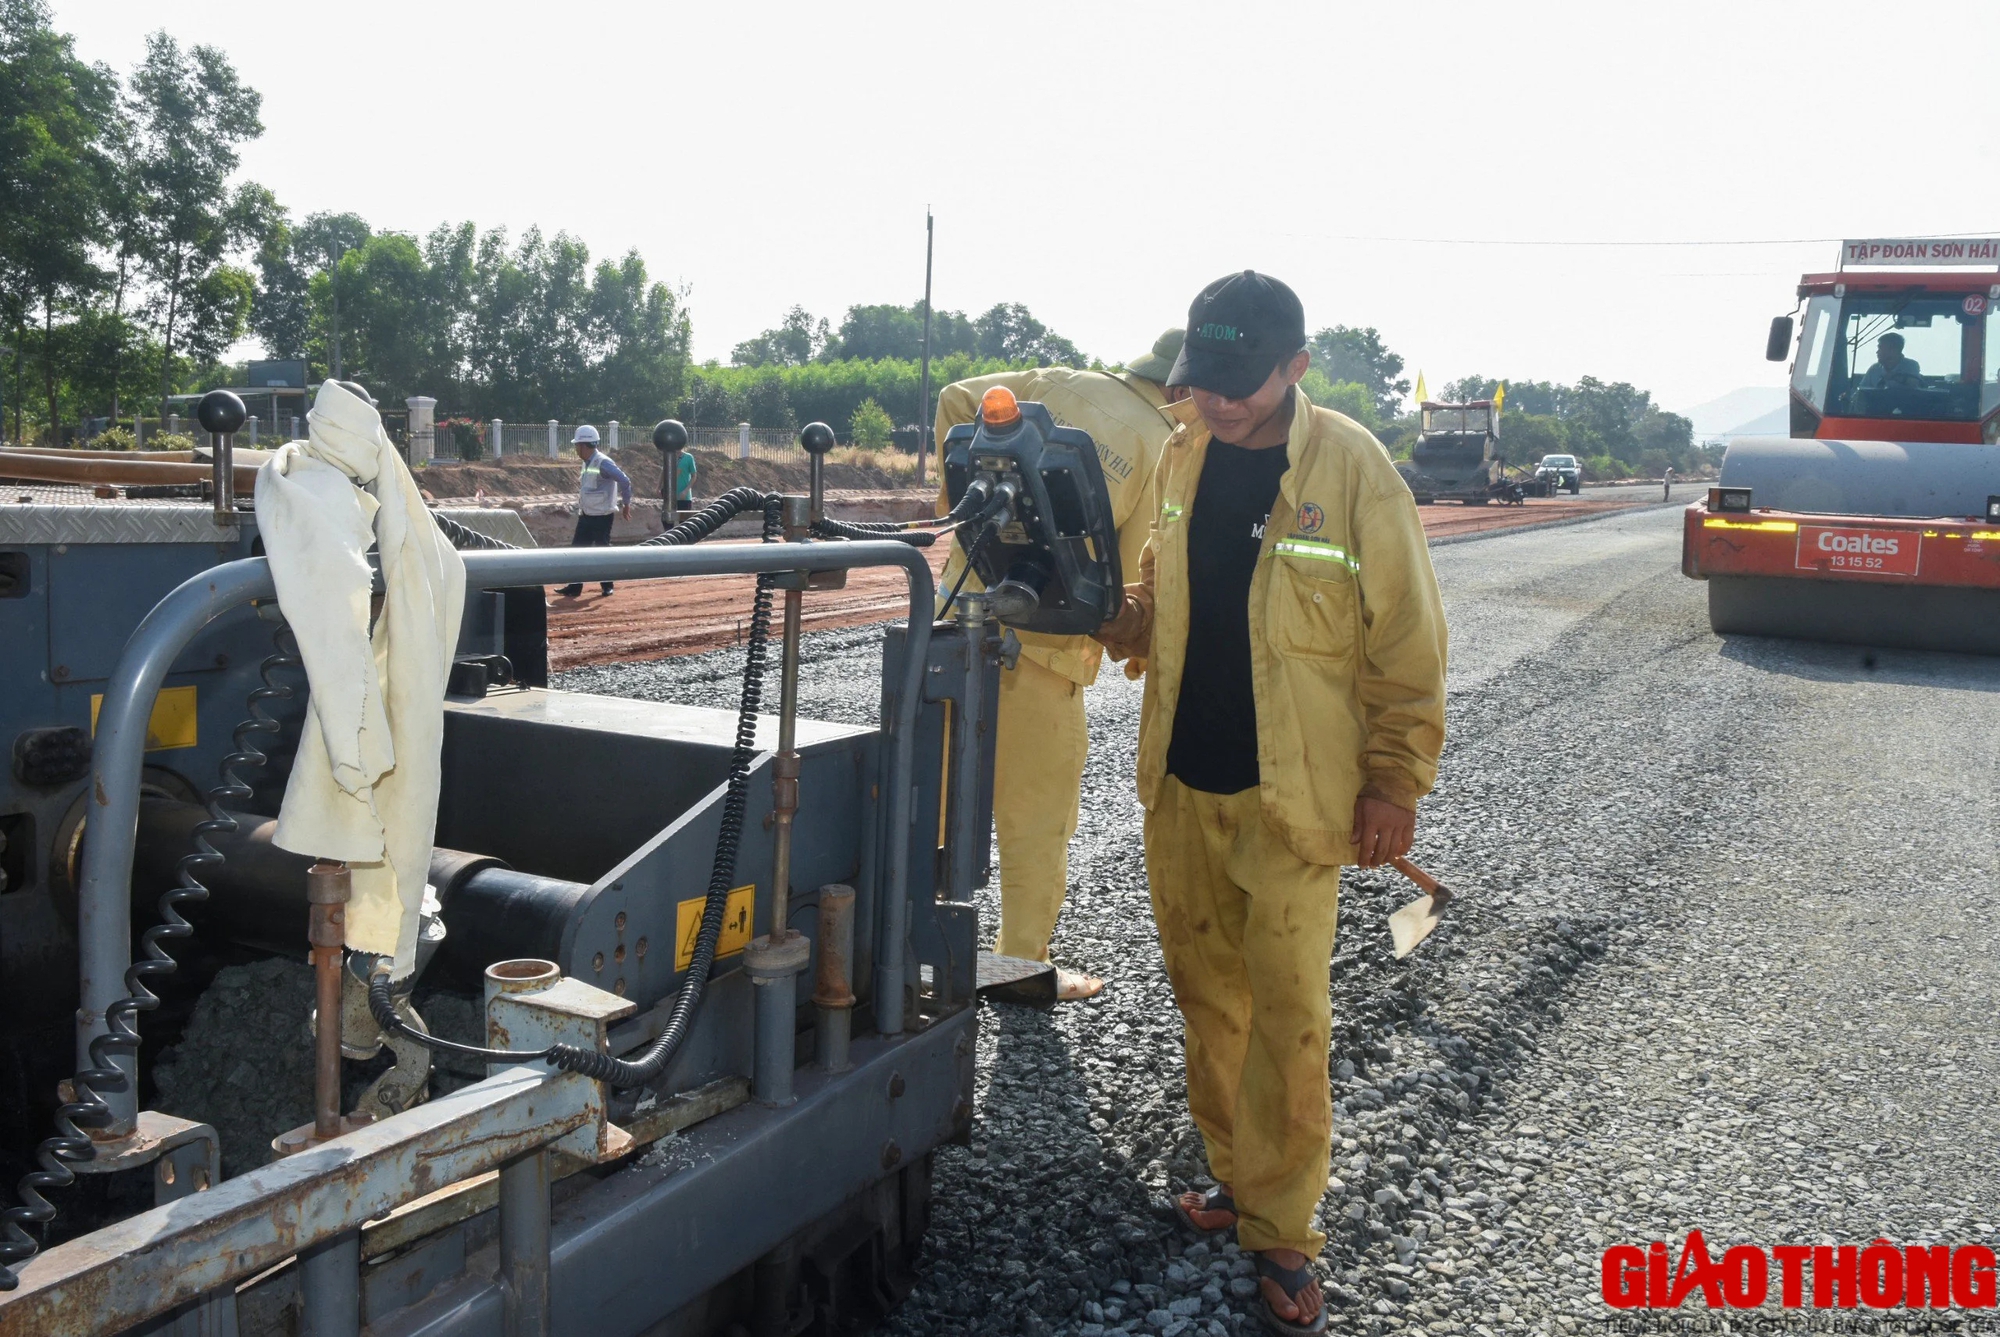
x=224 y=484
x=329 y=886
x=108 y=468
x=833 y=992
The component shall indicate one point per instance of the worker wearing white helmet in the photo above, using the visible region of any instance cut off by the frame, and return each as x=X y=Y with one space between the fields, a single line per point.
x=600 y=480
x=1042 y=736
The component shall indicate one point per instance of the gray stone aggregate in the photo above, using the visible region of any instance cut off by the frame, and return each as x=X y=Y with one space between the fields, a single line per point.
x=1723 y=958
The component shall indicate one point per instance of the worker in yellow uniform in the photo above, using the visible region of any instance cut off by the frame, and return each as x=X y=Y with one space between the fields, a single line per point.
x=1042 y=738
x=1293 y=718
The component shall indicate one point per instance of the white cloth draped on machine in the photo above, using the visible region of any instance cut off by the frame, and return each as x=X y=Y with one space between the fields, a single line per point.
x=364 y=787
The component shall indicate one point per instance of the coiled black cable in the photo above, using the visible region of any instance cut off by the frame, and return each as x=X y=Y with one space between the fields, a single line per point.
x=87 y=1109
x=722 y=876
x=841 y=529
x=464 y=536
x=719 y=513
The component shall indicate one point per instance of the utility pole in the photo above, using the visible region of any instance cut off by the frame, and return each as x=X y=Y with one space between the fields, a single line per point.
x=924 y=408
x=334 y=278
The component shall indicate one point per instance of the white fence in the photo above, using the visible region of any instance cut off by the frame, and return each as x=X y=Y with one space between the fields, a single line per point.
x=551 y=440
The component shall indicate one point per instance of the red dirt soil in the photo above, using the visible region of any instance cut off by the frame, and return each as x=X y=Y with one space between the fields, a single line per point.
x=655 y=619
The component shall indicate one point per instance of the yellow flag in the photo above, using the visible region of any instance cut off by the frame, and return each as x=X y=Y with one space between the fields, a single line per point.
x=1499 y=396
x=1422 y=394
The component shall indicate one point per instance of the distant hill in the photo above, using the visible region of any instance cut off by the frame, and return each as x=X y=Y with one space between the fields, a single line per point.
x=1778 y=422
x=1753 y=410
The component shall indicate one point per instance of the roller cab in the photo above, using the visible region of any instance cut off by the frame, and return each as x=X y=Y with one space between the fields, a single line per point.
x=1877 y=522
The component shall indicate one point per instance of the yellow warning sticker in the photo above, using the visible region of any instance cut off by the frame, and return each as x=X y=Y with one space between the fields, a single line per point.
x=173 y=719
x=735 y=926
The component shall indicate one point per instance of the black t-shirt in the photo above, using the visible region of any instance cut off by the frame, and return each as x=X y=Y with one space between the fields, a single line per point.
x=1214 y=743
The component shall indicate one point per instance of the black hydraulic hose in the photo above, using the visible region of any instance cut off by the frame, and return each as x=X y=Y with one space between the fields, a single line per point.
x=971 y=556
x=70 y=1144
x=974 y=505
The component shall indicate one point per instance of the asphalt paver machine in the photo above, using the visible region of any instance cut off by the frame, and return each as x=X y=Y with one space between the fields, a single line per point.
x=1457 y=454
x=1877 y=521
x=718 y=967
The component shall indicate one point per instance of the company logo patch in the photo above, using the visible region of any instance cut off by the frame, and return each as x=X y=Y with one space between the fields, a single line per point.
x=1858 y=552
x=1311 y=518
x=1224 y=333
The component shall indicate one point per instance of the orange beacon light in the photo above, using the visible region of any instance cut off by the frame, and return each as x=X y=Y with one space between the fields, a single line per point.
x=999 y=408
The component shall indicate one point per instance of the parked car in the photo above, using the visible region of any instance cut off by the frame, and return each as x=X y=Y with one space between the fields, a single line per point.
x=1562 y=472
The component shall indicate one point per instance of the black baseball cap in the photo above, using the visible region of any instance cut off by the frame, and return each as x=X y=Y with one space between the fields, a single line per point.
x=1239 y=329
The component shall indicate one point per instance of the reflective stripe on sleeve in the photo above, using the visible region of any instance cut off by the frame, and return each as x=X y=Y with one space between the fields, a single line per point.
x=1170 y=512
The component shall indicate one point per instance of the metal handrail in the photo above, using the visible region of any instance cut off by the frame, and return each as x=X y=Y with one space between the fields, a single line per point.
x=147 y=1264
x=104 y=921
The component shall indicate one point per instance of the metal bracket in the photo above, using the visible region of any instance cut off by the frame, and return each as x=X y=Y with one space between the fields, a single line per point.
x=189 y=1153
x=533 y=1009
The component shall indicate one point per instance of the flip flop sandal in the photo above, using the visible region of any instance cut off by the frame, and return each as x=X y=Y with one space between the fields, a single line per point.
x=1215 y=1200
x=1292 y=1280
x=1073 y=986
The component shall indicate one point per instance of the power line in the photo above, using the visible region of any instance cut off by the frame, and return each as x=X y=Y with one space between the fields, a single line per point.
x=1485 y=241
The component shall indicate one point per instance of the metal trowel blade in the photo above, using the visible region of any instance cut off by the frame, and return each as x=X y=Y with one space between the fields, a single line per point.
x=1414 y=922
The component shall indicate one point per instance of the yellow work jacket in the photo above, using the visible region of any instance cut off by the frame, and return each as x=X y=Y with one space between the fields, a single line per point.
x=1347 y=635
x=1123 y=414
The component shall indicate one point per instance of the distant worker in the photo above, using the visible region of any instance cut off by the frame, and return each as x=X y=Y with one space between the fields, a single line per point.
x=1042 y=737
x=594 y=505
x=671 y=437
x=1892 y=370
x=1294 y=715
x=1667 y=484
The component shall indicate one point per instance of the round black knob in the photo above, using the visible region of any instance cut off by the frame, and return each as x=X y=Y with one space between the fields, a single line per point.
x=816 y=437
x=668 y=434
x=221 y=412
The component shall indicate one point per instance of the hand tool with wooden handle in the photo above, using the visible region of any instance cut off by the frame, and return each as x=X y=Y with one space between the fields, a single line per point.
x=1414 y=922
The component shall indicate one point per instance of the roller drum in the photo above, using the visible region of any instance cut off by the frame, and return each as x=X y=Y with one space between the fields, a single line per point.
x=1915 y=479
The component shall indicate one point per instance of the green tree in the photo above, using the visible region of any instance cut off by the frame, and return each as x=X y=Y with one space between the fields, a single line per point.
x=797 y=340
x=1349 y=397
x=291 y=254
x=870 y=426
x=1008 y=331
x=765 y=403
x=191 y=113
x=1343 y=353
x=872 y=332
x=1526 y=437
x=388 y=327
x=56 y=114
x=644 y=332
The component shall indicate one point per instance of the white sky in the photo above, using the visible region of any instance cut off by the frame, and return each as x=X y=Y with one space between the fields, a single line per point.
x=1100 y=162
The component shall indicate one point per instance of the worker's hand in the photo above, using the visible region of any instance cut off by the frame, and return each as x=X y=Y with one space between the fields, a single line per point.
x=1125 y=627
x=626 y=510
x=1382 y=831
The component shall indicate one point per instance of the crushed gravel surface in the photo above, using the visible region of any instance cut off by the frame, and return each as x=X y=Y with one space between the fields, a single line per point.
x=1724 y=958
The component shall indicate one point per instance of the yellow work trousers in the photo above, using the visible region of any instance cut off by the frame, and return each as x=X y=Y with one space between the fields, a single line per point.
x=1247 y=930
x=1038 y=757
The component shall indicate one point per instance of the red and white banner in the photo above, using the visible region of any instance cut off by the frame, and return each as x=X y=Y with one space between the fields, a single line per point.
x=1859 y=552
x=1890 y=253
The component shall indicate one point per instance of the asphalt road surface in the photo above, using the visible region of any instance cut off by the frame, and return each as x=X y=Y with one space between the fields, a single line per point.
x=1724 y=959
